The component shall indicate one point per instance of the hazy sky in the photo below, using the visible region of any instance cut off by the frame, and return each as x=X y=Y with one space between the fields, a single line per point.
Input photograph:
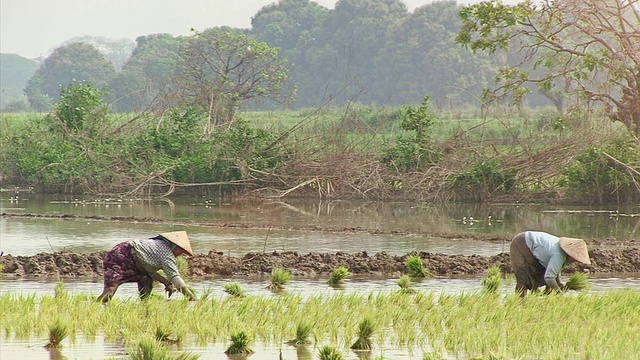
x=33 y=28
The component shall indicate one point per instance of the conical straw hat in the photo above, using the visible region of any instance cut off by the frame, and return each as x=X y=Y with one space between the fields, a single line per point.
x=576 y=248
x=179 y=238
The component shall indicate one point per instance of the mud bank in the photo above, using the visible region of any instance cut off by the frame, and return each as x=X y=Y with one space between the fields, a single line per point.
x=613 y=257
x=68 y=264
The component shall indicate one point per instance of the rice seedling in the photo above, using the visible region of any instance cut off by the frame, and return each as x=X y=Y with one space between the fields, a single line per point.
x=57 y=332
x=328 y=352
x=149 y=349
x=239 y=344
x=303 y=331
x=415 y=267
x=365 y=331
x=404 y=282
x=578 y=281
x=162 y=336
x=279 y=278
x=60 y=291
x=234 y=289
x=470 y=325
x=183 y=267
x=339 y=275
x=491 y=283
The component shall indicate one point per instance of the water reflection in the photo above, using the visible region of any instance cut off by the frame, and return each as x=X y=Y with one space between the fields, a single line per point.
x=29 y=236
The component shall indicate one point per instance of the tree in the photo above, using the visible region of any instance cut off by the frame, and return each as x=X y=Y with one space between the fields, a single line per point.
x=219 y=69
x=341 y=61
x=15 y=71
x=116 y=51
x=74 y=62
x=591 y=48
x=145 y=80
x=418 y=59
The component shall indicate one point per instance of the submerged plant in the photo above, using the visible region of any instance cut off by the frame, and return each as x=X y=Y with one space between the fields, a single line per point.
x=415 y=267
x=404 y=282
x=233 y=289
x=239 y=344
x=330 y=353
x=365 y=331
x=338 y=275
x=279 y=278
x=578 y=281
x=57 y=332
x=492 y=282
x=303 y=331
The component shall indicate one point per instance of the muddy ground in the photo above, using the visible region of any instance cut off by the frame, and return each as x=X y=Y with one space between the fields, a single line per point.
x=608 y=256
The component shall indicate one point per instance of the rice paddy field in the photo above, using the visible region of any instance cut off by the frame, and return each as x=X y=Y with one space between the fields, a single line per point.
x=423 y=325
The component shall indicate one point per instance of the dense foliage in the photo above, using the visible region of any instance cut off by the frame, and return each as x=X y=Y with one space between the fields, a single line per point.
x=368 y=51
x=579 y=51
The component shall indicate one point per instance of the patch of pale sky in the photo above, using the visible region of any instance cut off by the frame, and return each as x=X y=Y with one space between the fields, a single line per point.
x=33 y=28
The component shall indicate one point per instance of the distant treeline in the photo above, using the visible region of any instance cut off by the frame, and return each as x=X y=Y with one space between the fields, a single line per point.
x=367 y=51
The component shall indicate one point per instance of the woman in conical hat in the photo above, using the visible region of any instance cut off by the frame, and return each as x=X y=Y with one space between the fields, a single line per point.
x=537 y=259
x=139 y=261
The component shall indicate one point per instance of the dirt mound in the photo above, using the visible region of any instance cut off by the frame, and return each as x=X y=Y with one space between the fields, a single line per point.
x=69 y=264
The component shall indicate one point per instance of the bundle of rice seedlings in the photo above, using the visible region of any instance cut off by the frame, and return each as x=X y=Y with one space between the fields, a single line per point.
x=328 y=352
x=578 y=281
x=339 y=275
x=415 y=267
x=234 y=289
x=404 y=282
x=279 y=278
x=492 y=282
x=183 y=267
x=163 y=336
x=239 y=344
x=57 y=332
x=303 y=331
x=365 y=331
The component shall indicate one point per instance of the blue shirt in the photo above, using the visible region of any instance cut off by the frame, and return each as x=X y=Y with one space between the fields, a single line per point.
x=546 y=249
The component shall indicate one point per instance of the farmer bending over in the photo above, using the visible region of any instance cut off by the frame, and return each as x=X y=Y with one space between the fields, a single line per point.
x=537 y=258
x=139 y=261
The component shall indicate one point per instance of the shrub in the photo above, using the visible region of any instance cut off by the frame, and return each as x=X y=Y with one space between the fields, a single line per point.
x=415 y=151
x=482 y=180
x=595 y=177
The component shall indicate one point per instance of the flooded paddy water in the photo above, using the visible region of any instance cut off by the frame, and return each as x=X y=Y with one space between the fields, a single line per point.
x=301 y=225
